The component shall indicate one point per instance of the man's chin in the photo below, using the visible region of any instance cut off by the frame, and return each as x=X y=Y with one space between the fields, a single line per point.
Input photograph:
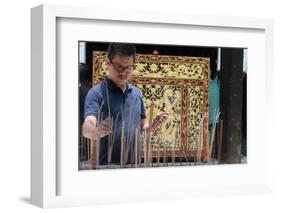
x=122 y=80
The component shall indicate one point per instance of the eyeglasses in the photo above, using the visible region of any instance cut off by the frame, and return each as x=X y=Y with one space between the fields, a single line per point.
x=120 y=68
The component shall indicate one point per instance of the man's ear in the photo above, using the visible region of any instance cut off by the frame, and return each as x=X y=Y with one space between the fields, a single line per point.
x=107 y=62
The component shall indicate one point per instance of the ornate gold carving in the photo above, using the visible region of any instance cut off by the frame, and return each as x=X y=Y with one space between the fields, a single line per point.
x=175 y=83
x=195 y=115
x=169 y=70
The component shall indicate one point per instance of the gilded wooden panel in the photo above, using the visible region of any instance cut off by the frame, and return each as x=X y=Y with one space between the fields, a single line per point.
x=178 y=84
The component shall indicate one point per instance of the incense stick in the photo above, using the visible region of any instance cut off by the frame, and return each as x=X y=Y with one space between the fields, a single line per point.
x=96 y=138
x=220 y=141
x=122 y=148
x=158 y=152
x=108 y=103
x=212 y=137
x=136 y=148
x=80 y=147
x=109 y=155
x=149 y=131
x=183 y=148
x=83 y=148
x=109 y=115
x=199 y=151
x=92 y=149
x=185 y=152
x=145 y=148
x=164 y=156
x=89 y=152
x=98 y=143
x=122 y=134
x=174 y=150
x=211 y=142
x=200 y=140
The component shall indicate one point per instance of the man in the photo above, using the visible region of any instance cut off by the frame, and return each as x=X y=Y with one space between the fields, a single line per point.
x=114 y=109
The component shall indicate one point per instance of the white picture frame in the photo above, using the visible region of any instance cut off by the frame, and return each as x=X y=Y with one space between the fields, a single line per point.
x=47 y=165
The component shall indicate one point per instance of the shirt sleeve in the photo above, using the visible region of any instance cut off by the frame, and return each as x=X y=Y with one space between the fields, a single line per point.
x=92 y=103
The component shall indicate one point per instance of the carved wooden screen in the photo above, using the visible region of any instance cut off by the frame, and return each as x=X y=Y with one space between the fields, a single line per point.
x=178 y=84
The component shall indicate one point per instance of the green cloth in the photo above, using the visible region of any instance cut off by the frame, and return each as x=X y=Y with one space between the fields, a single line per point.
x=214 y=100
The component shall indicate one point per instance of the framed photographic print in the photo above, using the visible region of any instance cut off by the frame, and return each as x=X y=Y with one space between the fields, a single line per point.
x=129 y=106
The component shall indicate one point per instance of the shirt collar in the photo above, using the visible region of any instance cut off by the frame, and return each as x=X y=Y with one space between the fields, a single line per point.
x=112 y=85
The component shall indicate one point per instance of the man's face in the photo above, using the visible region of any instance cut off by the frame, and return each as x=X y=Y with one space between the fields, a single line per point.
x=120 y=69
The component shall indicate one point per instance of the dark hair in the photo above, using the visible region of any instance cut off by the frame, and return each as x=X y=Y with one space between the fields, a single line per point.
x=121 y=49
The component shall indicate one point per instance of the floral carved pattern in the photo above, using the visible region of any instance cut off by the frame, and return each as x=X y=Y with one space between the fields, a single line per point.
x=178 y=84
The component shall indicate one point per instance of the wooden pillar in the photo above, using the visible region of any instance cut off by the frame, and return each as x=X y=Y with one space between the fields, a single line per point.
x=231 y=103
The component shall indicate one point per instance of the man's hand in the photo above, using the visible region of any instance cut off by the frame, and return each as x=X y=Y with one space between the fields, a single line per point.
x=92 y=130
x=105 y=127
x=158 y=120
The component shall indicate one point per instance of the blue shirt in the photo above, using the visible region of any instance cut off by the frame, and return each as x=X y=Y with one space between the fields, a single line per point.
x=126 y=109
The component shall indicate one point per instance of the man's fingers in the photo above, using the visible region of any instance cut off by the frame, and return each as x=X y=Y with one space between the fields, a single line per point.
x=105 y=128
x=107 y=121
x=162 y=116
x=165 y=114
x=106 y=124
